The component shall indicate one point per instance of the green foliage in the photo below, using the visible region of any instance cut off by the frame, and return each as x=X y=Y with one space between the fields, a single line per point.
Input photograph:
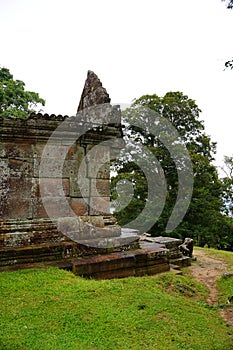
x=227 y=182
x=204 y=221
x=229 y=64
x=225 y=288
x=55 y=310
x=14 y=100
x=226 y=241
x=229 y=3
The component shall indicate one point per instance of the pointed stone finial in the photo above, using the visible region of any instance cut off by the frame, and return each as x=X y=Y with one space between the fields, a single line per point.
x=93 y=92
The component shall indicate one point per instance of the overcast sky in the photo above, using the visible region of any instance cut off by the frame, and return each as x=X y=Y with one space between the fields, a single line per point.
x=135 y=47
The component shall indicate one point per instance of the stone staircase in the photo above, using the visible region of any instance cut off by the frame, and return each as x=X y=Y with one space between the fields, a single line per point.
x=176 y=259
x=129 y=255
x=175 y=269
x=136 y=262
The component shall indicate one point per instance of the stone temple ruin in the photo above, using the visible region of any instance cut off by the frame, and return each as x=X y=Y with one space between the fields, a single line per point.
x=55 y=195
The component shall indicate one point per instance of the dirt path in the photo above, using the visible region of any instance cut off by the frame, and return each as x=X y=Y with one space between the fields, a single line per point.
x=207 y=270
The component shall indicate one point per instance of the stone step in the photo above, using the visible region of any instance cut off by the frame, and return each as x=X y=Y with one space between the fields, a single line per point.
x=138 y=262
x=172 y=244
x=36 y=253
x=63 y=250
x=174 y=267
x=15 y=233
x=182 y=262
x=112 y=243
x=175 y=271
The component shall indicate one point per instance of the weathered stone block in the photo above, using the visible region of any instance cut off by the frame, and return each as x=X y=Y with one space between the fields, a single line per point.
x=20 y=167
x=152 y=270
x=98 y=154
x=68 y=225
x=51 y=187
x=97 y=221
x=55 y=167
x=55 y=151
x=98 y=171
x=56 y=207
x=79 y=187
x=70 y=168
x=2 y=150
x=79 y=206
x=76 y=152
x=15 y=202
x=37 y=149
x=19 y=232
x=19 y=188
x=100 y=188
x=17 y=151
x=48 y=167
x=99 y=206
x=15 y=207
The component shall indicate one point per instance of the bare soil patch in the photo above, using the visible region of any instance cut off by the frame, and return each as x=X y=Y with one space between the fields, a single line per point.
x=207 y=270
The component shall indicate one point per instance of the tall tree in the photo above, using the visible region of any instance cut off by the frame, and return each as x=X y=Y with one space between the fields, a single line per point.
x=226 y=241
x=229 y=3
x=203 y=219
x=228 y=185
x=14 y=100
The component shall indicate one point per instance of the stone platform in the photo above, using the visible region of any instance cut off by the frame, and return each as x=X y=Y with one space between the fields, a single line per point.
x=18 y=249
x=142 y=256
x=137 y=262
x=175 y=256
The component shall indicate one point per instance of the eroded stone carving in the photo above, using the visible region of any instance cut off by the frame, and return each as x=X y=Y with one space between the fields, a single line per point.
x=93 y=92
x=186 y=248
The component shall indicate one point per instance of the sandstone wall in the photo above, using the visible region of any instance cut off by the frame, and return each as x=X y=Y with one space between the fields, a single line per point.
x=23 y=216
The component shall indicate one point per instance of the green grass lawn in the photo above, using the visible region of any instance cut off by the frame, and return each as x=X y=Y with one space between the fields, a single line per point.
x=224 y=285
x=221 y=254
x=53 y=309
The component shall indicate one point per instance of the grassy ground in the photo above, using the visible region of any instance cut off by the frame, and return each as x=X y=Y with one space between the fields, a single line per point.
x=221 y=254
x=224 y=284
x=55 y=310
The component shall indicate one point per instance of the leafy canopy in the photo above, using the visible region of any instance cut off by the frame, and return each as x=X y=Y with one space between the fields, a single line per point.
x=229 y=3
x=14 y=100
x=204 y=220
x=228 y=185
